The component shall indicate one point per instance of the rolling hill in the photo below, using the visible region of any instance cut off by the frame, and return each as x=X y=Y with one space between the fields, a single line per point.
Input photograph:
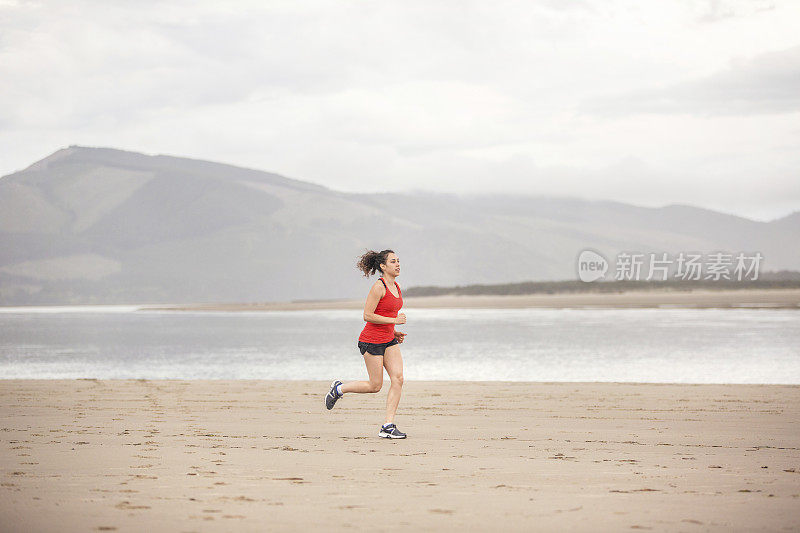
x=99 y=225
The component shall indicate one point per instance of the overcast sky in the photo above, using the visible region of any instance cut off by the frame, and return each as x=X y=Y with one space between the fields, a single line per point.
x=646 y=102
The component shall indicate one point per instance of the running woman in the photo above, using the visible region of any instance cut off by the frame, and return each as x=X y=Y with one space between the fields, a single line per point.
x=379 y=341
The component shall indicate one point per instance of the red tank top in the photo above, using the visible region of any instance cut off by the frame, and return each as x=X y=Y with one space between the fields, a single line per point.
x=388 y=306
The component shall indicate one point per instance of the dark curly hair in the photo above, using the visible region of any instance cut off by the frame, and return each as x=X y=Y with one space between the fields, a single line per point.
x=370 y=262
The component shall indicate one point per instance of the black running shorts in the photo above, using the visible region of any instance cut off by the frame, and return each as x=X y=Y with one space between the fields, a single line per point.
x=375 y=349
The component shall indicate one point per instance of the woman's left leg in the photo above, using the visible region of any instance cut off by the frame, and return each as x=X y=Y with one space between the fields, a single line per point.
x=393 y=363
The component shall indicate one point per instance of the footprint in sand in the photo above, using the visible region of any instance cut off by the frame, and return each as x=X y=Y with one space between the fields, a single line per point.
x=126 y=505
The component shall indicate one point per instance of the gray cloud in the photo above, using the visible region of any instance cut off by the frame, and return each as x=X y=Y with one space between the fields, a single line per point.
x=719 y=10
x=439 y=96
x=768 y=83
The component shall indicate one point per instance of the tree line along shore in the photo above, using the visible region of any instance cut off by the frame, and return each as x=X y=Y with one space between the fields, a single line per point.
x=766 y=293
x=770 y=280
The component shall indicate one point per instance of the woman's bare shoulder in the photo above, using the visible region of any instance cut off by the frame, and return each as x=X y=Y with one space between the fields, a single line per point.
x=378 y=288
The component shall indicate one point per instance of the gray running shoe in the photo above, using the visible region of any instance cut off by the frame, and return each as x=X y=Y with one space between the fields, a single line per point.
x=391 y=432
x=332 y=396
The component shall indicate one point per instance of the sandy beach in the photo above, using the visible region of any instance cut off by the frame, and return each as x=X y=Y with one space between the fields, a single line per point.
x=88 y=455
x=747 y=298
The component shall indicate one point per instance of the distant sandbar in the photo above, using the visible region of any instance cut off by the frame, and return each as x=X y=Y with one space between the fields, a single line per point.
x=743 y=298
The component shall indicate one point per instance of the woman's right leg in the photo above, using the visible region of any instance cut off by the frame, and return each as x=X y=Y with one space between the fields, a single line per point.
x=374 y=369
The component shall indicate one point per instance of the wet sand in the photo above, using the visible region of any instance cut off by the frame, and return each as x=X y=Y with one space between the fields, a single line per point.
x=88 y=455
x=747 y=298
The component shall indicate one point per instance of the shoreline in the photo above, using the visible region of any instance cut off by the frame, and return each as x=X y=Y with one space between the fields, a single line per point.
x=217 y=455
x=432 y=382
x=696 y=299
x=650 y=299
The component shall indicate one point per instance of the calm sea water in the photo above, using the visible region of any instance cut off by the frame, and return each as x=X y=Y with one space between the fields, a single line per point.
x=639 y=345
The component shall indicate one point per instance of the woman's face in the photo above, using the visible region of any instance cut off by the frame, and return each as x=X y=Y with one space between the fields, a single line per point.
x=392 y=265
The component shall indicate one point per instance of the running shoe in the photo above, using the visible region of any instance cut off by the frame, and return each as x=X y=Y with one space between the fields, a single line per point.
x=391 y=432
x=332 y=396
